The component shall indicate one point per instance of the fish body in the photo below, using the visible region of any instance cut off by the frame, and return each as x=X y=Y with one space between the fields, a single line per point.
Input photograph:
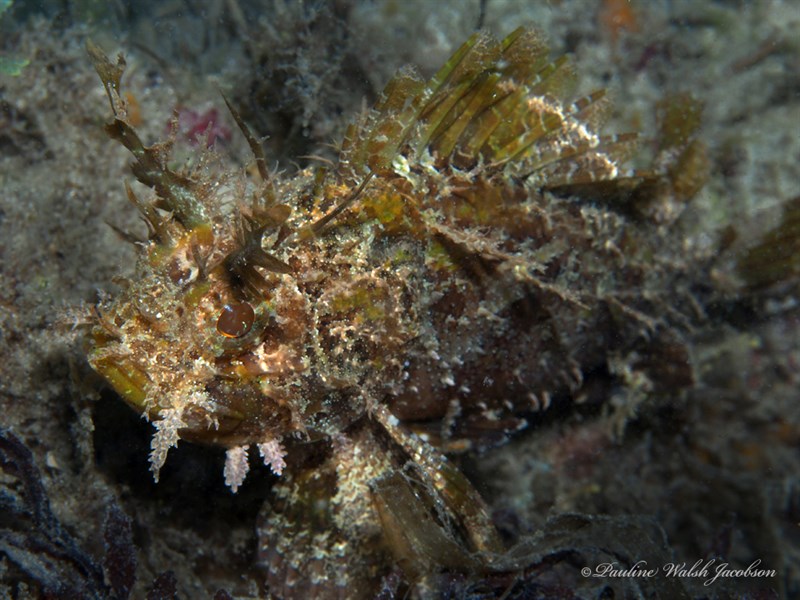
x=355 y=324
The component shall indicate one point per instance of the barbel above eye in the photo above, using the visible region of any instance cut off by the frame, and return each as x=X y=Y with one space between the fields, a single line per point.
x=236 y=319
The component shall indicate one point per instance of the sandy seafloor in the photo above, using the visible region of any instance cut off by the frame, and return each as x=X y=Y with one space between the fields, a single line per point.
x=718 y=470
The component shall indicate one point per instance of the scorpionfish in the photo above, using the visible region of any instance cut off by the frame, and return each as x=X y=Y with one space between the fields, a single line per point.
x=477 y=254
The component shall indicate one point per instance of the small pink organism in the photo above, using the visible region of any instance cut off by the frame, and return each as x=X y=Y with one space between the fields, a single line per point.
x=195 y=126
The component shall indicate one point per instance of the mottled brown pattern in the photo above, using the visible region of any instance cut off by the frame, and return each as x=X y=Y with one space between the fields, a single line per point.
x=426 y=295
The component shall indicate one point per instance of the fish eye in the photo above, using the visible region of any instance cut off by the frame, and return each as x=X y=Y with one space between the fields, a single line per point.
x=236 y=319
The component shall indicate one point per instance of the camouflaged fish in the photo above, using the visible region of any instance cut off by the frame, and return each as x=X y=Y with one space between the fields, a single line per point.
x=477 y=254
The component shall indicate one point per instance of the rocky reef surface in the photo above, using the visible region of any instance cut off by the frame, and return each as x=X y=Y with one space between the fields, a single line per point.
x=707 y=473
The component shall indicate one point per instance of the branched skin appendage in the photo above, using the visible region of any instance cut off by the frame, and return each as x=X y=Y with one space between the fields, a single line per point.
x=422 y=297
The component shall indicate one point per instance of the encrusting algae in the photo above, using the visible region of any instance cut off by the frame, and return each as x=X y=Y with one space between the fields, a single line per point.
x=478 y=253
